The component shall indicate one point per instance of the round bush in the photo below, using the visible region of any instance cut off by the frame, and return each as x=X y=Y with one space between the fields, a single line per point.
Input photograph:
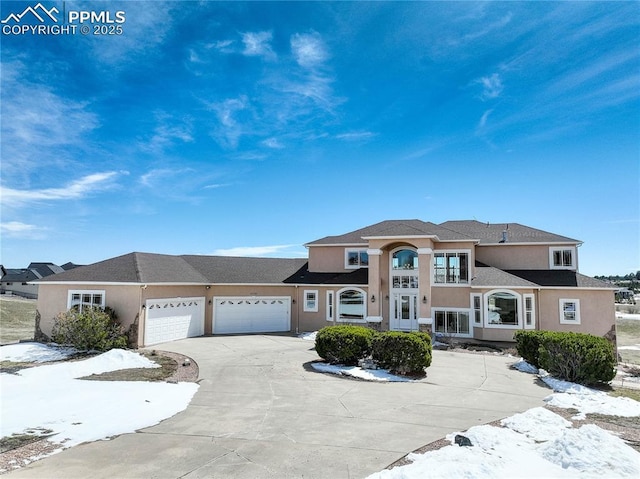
x=344 y=344
x=577 y=357
x=528 y=345
x=91 y=329
x=403 y=353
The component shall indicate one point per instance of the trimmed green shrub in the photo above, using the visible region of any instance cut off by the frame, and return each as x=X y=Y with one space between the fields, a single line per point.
x=528 y=345
x=577 y=357
x=344 y=344
x=91 y=329
x=403 y=353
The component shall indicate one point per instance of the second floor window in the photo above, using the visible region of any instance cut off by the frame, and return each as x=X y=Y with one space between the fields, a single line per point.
x=562 y=258
x=355 y=258
x=451 y=267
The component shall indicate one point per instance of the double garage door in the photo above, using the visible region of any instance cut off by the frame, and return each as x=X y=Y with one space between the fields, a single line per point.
x=251 y=314
x=169 y=319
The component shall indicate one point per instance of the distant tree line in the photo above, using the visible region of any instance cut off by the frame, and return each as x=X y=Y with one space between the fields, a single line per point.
x=630 y=281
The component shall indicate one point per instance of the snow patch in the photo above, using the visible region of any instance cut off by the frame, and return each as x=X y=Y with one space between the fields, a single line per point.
x=35 y=352
x=357 y=372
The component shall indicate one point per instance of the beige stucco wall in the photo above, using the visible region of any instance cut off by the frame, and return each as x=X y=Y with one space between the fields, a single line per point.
x=450 y=297
x=506 y=256
x=52 y=299
x=329 y=259
x=597 y=310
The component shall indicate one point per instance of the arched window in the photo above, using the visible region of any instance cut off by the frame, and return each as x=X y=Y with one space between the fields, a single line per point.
x=405 y=259
x=351 y=305
x=503 y=308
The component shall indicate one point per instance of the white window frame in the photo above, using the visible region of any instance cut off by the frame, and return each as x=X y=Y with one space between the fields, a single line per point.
x=561 y=250
x=529 y=312
x=561 y=306
x=469 y=313
x=364 y=304
x=445 y=283
x=81 y=292
x=476 y=309
x=310 y=300
x=485 y=303
x=331 y=304
x=359 y=251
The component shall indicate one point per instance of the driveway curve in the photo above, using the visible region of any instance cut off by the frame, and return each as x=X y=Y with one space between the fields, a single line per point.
x=259 y=413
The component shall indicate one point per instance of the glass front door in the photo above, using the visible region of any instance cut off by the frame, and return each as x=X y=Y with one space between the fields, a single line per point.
x=404 y=312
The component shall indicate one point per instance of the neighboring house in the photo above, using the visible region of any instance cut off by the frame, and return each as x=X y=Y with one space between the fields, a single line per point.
x=19 y=281
x=460 y=278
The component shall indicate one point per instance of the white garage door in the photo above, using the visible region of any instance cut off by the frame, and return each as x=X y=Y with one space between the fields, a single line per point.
x=168 y=319
x=251 y=314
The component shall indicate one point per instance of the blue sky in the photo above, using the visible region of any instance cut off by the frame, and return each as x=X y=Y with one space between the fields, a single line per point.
x=251 y=128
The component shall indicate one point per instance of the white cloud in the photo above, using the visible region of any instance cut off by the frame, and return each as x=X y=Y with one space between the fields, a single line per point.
x=483 y=119
x=355 y=135
x=491 y=86
x=273 y=143
x=308 y=49
x=261 y=251
x=257 y=44
x=17 y=229
x=74 y=190
x=230 y=130
x=39 y=126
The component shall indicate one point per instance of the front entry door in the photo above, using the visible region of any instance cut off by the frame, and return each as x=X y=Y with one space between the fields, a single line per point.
x=404 y=312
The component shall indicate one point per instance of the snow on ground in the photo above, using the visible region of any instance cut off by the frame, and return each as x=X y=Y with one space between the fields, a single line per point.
x=357 y=372
x=627 y=316
x=35 y=353
x=52 y=397
x=308 y=336
x=537 y=443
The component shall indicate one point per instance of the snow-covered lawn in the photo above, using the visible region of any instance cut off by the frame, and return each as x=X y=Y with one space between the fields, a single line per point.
x=51 y=397
x=535 y=444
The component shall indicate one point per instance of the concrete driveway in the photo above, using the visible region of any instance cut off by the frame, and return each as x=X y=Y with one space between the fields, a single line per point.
x=260 y=413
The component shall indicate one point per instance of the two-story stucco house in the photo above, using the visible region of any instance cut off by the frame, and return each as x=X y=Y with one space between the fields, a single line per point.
x=460 y=278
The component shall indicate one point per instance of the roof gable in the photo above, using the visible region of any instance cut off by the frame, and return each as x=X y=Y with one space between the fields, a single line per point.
x=392 y=228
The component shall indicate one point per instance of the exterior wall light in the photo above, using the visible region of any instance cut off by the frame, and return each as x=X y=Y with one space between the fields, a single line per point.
x=373 y=298
x=424 y=299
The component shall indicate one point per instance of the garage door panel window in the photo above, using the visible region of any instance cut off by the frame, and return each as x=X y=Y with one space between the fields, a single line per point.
x=170 y=319
x=251 y=315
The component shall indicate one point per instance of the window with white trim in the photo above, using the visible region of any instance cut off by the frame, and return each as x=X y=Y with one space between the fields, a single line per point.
x=310 y=301
x=476 y=306
x=351 y=305
x=330 y=304
x=452 y=322
x=502 y=309
x=451 y=267
x=356 y=258
x=562 y=257
x=86 y=299
x=569 y=311
x=529 y=311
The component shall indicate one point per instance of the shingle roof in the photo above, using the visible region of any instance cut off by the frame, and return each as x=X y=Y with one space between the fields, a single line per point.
x=559 y=278
x=304 y=276
x=228 y=269
x=488 y=276
x=158 y=268
x=516 y=233
x=393 y=228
